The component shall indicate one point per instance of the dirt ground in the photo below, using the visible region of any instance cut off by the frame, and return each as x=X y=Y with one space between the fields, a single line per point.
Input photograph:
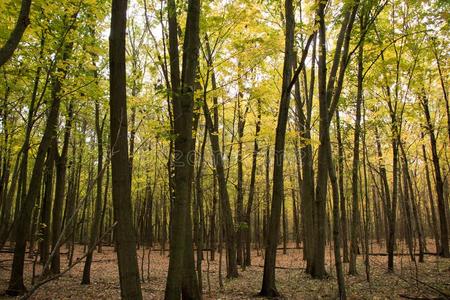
x=292 y=282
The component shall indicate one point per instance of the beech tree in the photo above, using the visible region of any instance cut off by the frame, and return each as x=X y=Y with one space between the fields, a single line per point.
x=120 y=165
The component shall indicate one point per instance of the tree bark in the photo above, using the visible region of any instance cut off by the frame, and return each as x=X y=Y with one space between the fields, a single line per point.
x=434 y=224
x=7 y=50
x=336 y=227
x=344 y=232
x=354 y=231
x=95 y=228
x=224 y=199
x=439 y=181
x=60 y=187
x=121 y=174
x=182 y=99
x=251 y=191
x=46 y=204
x=240 y=214
x=318 y=261
x=329 y=94
x=268 y=288
x=307 y=183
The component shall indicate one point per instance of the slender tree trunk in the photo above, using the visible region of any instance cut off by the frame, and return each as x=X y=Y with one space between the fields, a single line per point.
x=198 y=213
x=95 y=228
x=444 y=89
x=181 y=252
x=295 y=214
x=190 y=287
x=46 y=205
x=392 y=207
x=318 y=262
x=385 y=187
x=268 y=288
x=60 y=187
x=212 y=217
x=251 y=191
x=439 y=181
x=329 y=94
x=7 y=50
x=415 y=216
x=70 y=203
x=407 y=215
x=342 y=200
x=104 y=209
x=367 y=231
x=223 y=196
x=354 y=232
x=307 y=183
x=336 y=227
x=266 y=198
x=121 y=173
x=285 y=227
x=5 y=216
x=240 y=214
x=434 y=224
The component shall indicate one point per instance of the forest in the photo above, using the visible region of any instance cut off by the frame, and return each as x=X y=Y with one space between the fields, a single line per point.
x=280 y=149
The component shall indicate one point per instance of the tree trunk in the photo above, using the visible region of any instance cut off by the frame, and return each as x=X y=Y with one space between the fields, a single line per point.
x=434 y=224
x=266 y=212
x=60 y=187
x=198 y=213
x=212 y=217
x=439 y=181
x=46 y=205
x=268 y=288
x=307 y=183
x=354 y=231
x=95 y=228
x=342 y=200
x=392 y=207
x=182 y=100
x=318 y=262
x=232 y=271
x=295 y=215
x=7 y=50
x=417 y=222
x=190 y=287
x=120 y=164
x=251 y=191
x=444 y=88
x=240 y=214
x=336 y=227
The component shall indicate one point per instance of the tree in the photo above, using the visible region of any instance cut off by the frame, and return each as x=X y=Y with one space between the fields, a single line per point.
x=355 y=167
x=121 y=178
x=444 y=248
x=60 y=187
x=268 y=288
x=329 y=93
x=7 y=50
x=182 y=103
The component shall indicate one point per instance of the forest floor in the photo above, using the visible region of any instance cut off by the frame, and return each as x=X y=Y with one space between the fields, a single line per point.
x=410 y=281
